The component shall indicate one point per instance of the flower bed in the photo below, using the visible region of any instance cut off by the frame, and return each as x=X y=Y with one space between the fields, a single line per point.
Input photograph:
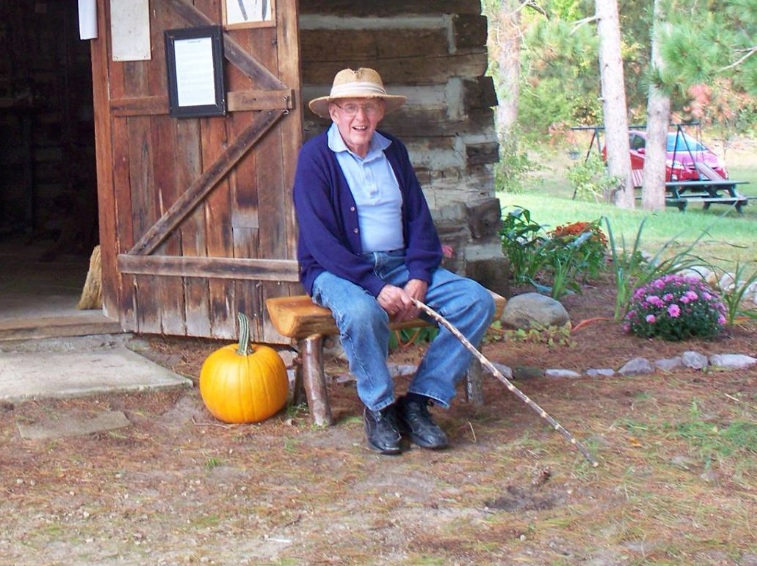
x=675 y=307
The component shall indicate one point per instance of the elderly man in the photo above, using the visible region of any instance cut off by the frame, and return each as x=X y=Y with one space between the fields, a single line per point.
x=367 y=247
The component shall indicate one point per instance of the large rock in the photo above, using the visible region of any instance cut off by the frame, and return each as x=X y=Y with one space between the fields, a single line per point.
x=532 y=310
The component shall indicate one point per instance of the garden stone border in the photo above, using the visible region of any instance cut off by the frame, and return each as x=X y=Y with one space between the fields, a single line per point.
x=635 y=366
x=642 y=366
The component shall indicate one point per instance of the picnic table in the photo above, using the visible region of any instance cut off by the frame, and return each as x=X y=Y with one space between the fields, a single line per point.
x=681 y=193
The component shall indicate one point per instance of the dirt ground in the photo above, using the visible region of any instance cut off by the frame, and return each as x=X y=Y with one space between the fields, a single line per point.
x=676 y=481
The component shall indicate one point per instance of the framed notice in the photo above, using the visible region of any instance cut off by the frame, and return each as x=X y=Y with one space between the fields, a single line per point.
x=248 y=13
x=194 y=60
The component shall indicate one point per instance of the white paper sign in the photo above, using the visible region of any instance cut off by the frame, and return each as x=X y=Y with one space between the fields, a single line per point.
x=194 y=72
x=130 y=29
x=87 y=19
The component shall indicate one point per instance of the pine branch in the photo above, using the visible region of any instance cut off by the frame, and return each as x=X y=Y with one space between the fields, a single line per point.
x=749 y=52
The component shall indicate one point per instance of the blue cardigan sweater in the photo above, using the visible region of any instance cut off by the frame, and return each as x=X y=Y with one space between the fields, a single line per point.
x=329 y=234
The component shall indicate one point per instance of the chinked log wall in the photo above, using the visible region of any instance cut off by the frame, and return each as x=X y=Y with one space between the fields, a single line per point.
x=434 y=52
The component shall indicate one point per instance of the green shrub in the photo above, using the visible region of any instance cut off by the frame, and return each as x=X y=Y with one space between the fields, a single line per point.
x=590 y=180
x=522 y=243
x=514 y=166
x=557 y=261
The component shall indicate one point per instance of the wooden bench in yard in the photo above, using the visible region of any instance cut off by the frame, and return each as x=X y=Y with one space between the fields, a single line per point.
x=301 y=319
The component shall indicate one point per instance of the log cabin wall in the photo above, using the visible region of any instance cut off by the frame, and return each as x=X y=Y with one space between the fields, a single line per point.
x=433 y=52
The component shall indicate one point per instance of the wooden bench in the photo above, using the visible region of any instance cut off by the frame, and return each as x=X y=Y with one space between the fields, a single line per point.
x=301 y=319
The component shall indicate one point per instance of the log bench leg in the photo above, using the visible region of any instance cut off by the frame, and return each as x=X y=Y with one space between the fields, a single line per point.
x=314 y=380
x=474 y=387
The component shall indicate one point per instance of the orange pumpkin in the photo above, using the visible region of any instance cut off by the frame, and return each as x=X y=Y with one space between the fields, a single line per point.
x=244 y=383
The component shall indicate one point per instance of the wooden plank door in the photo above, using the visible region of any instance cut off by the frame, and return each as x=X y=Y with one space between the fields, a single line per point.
x=196 y=217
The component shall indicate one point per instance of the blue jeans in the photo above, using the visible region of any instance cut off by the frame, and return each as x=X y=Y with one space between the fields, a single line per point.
x=364 y=329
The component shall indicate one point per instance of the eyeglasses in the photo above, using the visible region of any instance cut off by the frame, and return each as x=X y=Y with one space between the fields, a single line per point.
x=351 y=108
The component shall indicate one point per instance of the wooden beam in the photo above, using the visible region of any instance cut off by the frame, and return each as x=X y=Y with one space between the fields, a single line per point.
x=211 y=267
x=239 y=101
x=187 y=202
x=139 y=106
x=244 y=100
x=387 y=8
x=231 y=49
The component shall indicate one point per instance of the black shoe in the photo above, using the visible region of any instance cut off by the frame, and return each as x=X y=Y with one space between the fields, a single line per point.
x=381 y=430
x=415 y=420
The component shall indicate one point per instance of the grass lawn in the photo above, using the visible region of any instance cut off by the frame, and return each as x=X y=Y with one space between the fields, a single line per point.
x=727 y=236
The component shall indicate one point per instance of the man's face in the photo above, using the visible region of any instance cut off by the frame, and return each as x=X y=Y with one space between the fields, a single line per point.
x=357 y=119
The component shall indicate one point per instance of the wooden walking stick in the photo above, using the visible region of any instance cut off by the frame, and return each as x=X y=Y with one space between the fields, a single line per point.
x=518 y=393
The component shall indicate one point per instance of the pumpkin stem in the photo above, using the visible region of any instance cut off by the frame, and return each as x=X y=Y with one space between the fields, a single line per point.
x=244 y=335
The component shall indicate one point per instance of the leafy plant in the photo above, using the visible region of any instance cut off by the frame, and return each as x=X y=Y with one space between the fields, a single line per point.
x=564 y=257
x=586 y=244
x=549 y=335
x=631 y=269
x=522 y=244
x=675 y=307
x=733 y=296
x=590 y=180
x=562 y=270
x=406 y=337
x=514 y=166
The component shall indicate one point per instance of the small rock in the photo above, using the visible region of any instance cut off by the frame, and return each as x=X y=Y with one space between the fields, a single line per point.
x=732 y=361
x=527 y=372
x=710 y=476
x=399 y=370
x=288 y=356
x=728 y=282
x=562 y=373
x=600 y=372
x=694 y=360
x=682 y=462
x=698 y=272
x=636 y=366
x=291 y=377
x=669 y=364
x=332 y=347
x=344 y=378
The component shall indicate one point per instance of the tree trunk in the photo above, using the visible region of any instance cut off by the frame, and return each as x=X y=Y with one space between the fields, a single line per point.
x=507 y=52
x=658 y=116
x=614 y=102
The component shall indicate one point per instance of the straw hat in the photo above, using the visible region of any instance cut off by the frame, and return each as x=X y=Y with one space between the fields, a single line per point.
x=363 y=83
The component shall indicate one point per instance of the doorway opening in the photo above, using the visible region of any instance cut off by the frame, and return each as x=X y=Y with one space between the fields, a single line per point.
x=48 y=186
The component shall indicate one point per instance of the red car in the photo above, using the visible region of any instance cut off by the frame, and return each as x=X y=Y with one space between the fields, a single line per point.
x=687 y=159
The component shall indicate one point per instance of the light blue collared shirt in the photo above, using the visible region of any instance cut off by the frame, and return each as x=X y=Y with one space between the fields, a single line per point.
x=375 y=190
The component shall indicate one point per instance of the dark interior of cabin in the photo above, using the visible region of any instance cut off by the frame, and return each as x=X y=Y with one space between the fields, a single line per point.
x=48 y=195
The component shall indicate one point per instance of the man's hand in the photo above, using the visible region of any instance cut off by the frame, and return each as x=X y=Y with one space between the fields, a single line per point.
x=397 y=302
